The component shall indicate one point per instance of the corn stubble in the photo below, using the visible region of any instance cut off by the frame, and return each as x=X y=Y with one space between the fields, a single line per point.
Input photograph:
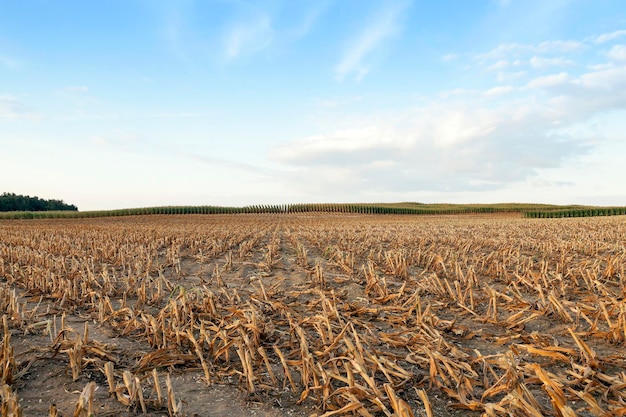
x=341 y=314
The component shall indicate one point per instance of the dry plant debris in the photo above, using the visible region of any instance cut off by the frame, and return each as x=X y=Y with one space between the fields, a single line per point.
x=313 y=314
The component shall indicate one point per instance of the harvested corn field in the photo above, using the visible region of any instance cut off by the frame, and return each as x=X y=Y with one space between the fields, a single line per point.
x=313 y=314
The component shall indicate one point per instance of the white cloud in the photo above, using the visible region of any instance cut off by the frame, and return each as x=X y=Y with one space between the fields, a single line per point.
x=559 y=46
x=383 y=164
x=514 y=63
x=499 y=65
x=249 y=36
x=469 y=140
x=456 y=92
x=503 y=51
x=459 y=125
x=500 y=90
x=385 y=25
x=503 y=77
x=606 y=37
x=439 y=128
x=618 y=53
x=510 y=53
x=601 y=67
x=343 y=142
x=541 y=62
x=551 y=80
x=611 y=80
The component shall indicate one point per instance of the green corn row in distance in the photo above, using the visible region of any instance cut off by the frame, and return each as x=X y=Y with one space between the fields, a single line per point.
x=528 y=210
x=581 y=212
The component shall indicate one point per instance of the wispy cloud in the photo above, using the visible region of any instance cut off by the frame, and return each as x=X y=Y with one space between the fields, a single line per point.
x=256 y=29
x=174 y=17
x=516 y=50
x=163 y=115
x=11 y=108
x=610 y=36
x=308 y=20
x=560 y=46
x=82 y=115
x=8 y=62
x=517 y=61
x=245 y=29
x=116 y=139
x=228 y=163
x=502 y=3
x=77 y=89
x=384 y=25
x=249 y=36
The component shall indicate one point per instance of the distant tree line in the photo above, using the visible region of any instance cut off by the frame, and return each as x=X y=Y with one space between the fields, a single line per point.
x=14 y=202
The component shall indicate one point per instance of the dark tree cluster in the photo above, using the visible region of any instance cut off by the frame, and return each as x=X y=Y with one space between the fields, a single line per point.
x=13 y=202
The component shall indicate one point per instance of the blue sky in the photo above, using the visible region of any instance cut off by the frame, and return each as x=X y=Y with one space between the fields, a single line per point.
x=130 y=103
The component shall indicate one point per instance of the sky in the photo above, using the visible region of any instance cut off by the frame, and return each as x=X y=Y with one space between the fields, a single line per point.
x=137 y=103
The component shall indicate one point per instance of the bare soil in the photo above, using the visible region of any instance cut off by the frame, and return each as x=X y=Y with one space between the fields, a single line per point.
x=465 y=308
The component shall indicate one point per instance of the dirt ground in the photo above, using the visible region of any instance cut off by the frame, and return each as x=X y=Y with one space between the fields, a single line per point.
x=300 y=315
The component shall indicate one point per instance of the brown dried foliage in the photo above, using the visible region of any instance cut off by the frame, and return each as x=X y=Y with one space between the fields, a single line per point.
x=353 y=315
